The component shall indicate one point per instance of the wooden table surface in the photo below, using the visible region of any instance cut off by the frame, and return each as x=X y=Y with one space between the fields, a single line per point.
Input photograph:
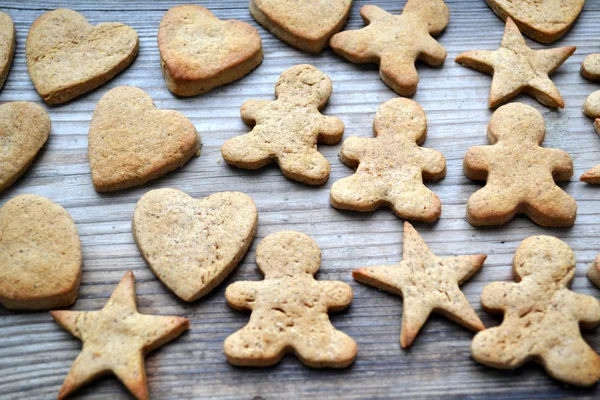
x=35 y=354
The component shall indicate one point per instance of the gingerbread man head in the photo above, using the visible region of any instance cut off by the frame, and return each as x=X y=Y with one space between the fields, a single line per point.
x=401 y=117
x=517 y=122
x=305 y=85
x=559 y=261
x=288 y=254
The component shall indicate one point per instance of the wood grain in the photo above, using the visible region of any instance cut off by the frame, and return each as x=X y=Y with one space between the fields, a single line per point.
x=35 y=354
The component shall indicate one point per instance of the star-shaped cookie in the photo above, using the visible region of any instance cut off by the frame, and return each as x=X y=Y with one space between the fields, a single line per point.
x=426 y=283
x=116 y=339
x=516 y=68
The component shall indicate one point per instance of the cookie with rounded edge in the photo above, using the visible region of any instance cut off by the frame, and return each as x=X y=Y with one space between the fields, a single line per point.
x=24 y=129
x=390 y=168
x=590 y=67
x=286 y=131
x=40 y=255
x=7 y=45
x=591 y=108
x=199 y=52
x=520 y=175
x=132 y=142
x=67 y=56
x=307 y=25
x=396 y=42
x=542 y=316
x=593 y=272
x=289 y=308
x=515 y=68
x=192 y=245
x=542 y=20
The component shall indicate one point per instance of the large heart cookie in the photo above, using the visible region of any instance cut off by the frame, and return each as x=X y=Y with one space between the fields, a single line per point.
x=24 y=128
x=67 y=56
x=192 y=245
x=199 y=52
x=7 y=45
x=542 y=20
x=131 y=141
x=307 y=25
x=40 y=254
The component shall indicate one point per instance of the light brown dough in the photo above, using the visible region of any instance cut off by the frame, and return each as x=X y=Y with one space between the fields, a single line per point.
x=7 y=45
x=591 y=70
x=541 y=316
x=199 y=52
x=67 y=56
x=40 y=255
x=391 y=167
x=287 y=130
x=395 y=42
x=132 y=142
x=289 y=308
x=192 y=245
x=593 y=273
x=520 y=174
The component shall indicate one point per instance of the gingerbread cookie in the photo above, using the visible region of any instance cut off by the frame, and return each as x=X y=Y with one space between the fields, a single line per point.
x=289 y=308
x=116 y=339
x=192 y=245
x=132 y=142
x=542 y=20
x=593 y=273
x=307 y=26
x=516 y=68
x=541 y=316
x=199 y=52
x=426 y=283
x=67 y=56
x=40 y=255
x=7 y=45
x=391 y=167
x=395 y=42
x=590 y=68
x=520 y=174
x=287 y=130
x=24 y=129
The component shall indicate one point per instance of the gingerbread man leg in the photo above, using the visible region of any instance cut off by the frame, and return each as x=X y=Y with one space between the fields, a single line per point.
x=358 y=192
x=254 y=347
x=244 y=152
x=334 y=350
x=488 y=207
x=305 y=166
x=400 y=74
x=413 y=200
x=572 y=364
x=499 y=348
x=553 y=207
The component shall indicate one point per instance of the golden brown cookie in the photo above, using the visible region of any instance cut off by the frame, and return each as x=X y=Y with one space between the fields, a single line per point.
x=7 y=45
x=520 y=174
x=395 y=42
x=593 y=273
x=541 y=316
x=391 y=167
x=307 y=25
x=516 y=68
x=40 y=255
x=192 y=245
x=132 y=142
x=542 y=20
x=427 y=284
x=199 y=52
x=287 y=130
x=24 y=129
x=67 y=56
x=289 y=308
x=116 y=339
x=590 y=68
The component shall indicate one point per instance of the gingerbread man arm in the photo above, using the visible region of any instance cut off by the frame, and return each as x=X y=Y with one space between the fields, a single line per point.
x=241 y=295
x=562 y=164
x=432 y=52
x=586 y=309
x=371 y=13
x=338 y=294
x=353 y=149
x=433 y=164
x=331 y=130
x=476 y=165
x=250 y=110
x=496 y=296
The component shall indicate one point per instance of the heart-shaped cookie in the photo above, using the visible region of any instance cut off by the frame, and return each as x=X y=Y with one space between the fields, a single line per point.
x=307 y=25
x=40 y=254
x=132 y=142
x=7 y=45
x=199 y=52
x=542 y=20
x=24 y=128
x=192 y=245
x=67 y=56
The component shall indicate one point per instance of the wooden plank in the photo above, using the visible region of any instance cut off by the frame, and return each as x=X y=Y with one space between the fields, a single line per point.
x=35 y=354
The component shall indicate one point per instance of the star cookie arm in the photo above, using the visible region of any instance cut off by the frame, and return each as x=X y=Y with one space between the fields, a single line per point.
x=331 y=130
x=241 y=295
x=479 y=60
x=68 y=320
x=250 y=110
x=475 y=164
x=465 y=267
x=85 y=369
x=434 y=164
x=414 y=316
x=562 y=164
x=554 y=58
x=384 y=277
x=338 y=294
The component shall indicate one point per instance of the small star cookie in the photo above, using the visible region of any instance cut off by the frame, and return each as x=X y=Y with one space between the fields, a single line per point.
x=116 y=339
x=520 y=174
x=541 y=316
x=287 y=130
x=426 y=283
x=591 y=70
x=391 y=167
x=395 y=42
x=516 y=68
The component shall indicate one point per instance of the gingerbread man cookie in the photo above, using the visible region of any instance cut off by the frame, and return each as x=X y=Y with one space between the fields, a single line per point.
x=289 y=308
x=541 y=316
x=287 y=130
x=593 y=273
x=591 y=70
x=395 y=42
x=391 y=167
x=520 y=174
